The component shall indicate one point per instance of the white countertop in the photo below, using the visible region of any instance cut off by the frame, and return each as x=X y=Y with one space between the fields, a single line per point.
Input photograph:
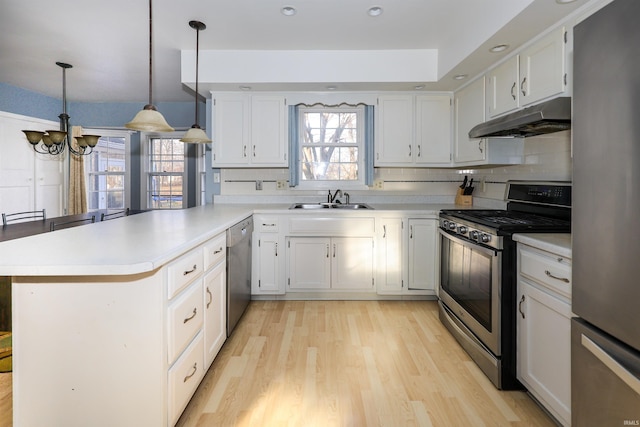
x=144 y=242
x=557 y=243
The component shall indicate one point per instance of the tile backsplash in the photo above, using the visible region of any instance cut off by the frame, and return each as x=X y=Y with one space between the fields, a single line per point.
x=546 y=157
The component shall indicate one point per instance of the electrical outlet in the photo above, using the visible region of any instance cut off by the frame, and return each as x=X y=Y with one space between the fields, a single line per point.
x=378 y=184
x=281 y=184
x=258 y=184
x=216 y=177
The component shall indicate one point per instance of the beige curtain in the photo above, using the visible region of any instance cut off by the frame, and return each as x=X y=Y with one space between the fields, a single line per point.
x=77 y=186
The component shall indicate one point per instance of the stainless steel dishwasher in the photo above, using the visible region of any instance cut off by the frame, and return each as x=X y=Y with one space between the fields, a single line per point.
x=238 y=271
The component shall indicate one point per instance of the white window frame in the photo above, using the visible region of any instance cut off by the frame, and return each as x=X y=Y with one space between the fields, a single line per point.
x=358 y=184
x=145 y=142
x=114 y=133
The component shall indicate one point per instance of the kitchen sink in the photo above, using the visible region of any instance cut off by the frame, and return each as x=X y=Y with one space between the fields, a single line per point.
x=330 y=206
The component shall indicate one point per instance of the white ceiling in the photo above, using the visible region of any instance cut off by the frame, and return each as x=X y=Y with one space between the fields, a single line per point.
x=107 y=41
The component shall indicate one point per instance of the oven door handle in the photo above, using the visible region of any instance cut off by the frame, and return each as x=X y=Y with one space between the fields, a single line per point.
x=468 y=243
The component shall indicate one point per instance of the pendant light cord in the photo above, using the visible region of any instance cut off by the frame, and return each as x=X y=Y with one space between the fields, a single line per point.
x=197 y=58
x=150 y=53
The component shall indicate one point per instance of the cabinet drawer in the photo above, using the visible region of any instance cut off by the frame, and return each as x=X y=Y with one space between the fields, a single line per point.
x=185 y=317
x=551 y=271
x=267 y=224
x=320 y=226
x=182 y=271
x=215 y=251
x=184 y=377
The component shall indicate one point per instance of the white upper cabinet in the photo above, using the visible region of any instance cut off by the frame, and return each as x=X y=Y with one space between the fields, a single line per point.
x=538 y=72
x=413 y=130
x=249 y=130
x=469 y=111
x=542 y=68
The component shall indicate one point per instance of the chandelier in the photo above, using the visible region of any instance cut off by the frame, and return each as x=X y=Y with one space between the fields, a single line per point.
x=54 y=142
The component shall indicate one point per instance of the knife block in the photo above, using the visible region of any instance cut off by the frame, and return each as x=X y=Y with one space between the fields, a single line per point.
x=463 y=200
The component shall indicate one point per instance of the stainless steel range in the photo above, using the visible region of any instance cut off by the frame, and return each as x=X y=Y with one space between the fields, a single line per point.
x=478 y=271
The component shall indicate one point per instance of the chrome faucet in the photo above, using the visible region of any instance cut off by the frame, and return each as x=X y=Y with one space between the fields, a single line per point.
x=332 y=198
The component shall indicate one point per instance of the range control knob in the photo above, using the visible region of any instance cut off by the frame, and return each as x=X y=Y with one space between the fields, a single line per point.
x=473 y=235
x=485 y=238
x=452 y=226
x=462 y=229
x=445 y=223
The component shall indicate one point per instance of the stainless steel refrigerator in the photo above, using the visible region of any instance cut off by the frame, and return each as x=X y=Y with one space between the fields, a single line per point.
x=605 y=339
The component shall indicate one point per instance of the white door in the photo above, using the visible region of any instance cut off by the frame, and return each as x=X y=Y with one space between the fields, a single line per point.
x=352 y=263
x=502 y=87
x=390 y=255
x=469 y=111
x=309 y=263
x=215 y=302
x=230 y=130
x=28 y=181
x=394 y=134
x=422 y=254
x=433 y=130
x=268 y=131
x=267 y=258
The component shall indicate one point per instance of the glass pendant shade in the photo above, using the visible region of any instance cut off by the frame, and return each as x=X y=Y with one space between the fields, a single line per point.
x=91 y=140
x=46 y=140
x=195 y=135
x=33 y=136
x=80 y=141
x=149 y=120
x=57 y=136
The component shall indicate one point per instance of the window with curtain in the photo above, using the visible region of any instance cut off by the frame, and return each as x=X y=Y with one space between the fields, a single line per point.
x=107 y=173
x=330 y=146
x=166 y=173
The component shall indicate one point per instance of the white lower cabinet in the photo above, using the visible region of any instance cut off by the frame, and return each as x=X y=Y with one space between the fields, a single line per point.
x=267 y=253
x=407 y=254
x=215 y=327
x=184 y=377
x=336 y=263
x=544 y=329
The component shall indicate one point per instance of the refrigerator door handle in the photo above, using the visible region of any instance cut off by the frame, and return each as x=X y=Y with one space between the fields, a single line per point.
x=613 y=365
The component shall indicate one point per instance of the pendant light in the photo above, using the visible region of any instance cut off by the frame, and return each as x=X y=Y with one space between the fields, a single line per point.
x=149 y=118
x=196 y=134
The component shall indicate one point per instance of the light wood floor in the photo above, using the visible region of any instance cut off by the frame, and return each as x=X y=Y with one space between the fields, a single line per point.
x=350 y=363
x=6 y=409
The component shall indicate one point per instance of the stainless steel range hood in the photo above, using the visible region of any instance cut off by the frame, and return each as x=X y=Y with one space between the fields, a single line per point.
x=548 y=117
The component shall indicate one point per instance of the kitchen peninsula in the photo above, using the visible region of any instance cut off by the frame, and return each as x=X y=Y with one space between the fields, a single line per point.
x=99 y=335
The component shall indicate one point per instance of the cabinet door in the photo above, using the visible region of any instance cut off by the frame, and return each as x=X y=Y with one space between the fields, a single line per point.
x=390 y=256
x=268 y=131
x=502 y=87
x=309 y=263
x=469 y=111
x=433 y=130
x=542 y=68
x=267 y=264
x=394 y=135
x=544 y=348
x=352 y=263
x=230 y=130
x=422 y=254
x=215 y=326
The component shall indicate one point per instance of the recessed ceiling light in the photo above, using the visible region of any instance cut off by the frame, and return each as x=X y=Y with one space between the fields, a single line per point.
x=288 y=10
x=460 y=76
x=564 y=1
x=245 y=87
x=332 y=87
x=499 y=48
x=418 y=87
x=374 y=11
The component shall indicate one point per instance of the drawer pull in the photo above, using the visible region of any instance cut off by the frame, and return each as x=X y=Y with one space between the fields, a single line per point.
x=195 y=311
x=562 y=279
x=210 y=298
x=190 y=271
x=520 y=306
x=216 y=252
x=268 y=225
x=195 y=369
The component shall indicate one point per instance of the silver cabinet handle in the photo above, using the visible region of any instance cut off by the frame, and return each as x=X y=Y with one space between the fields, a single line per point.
x=327 y=251
x=410 y=150
x=210 y=298
x=384 y=231
x=254 y=151
x=562 y=279
x=244 y=151
x=195 y=311
x=411 y=231
x=524 y=92
x=613 y=365
x=276 y=249
x=513 y=95
x=480 y=146
x=195 y=267
x=419 y=151
x=195 y=369
x=334 y=250
x=217 y=251
x=520 y=306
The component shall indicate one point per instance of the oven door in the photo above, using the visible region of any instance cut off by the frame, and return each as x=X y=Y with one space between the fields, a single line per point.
x=470 y=286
